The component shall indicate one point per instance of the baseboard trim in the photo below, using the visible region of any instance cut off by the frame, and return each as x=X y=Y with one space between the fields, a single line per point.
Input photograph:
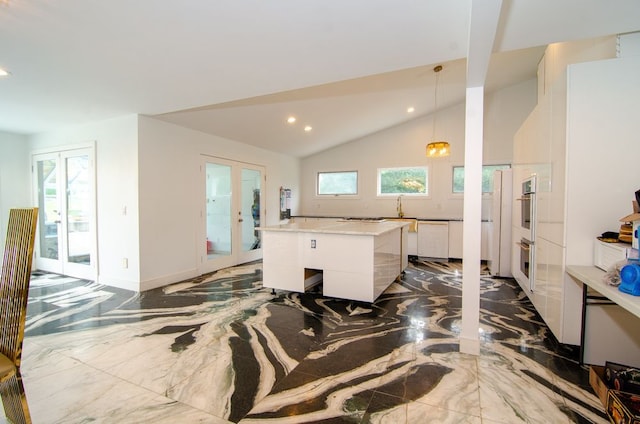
x=165 y=280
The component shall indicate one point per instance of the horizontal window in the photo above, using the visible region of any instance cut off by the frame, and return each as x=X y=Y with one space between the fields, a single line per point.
x=487 y=177
x=337 y=183
x=406 y=181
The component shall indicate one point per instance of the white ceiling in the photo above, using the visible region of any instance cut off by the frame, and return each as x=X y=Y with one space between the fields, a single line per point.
x=238 y=68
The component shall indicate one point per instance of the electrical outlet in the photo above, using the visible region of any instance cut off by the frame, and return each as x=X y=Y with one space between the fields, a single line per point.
x=313 y=244
x=125 y=263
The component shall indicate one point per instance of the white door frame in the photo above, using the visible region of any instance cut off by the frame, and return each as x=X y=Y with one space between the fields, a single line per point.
x=237 y=220
x=62 y=265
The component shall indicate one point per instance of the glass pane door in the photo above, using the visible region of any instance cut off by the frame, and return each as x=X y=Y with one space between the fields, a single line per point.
x=218 y=210
x=66 y=234
x=49 y=209
x=78 y=202
x=251 y=206
x=233 y=207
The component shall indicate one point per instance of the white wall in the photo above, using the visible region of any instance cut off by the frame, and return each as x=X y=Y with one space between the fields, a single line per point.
x=116 y=142
x=15 y=182
x=171 y=197
x=603 y=166
x=559 y=55
x=148 y=198
x=404 y=145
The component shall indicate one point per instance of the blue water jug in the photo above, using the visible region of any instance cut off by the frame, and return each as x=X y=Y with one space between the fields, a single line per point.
x=630 y=279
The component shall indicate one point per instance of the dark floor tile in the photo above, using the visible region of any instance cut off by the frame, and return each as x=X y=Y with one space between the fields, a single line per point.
x=320 y=352
x=322 y=403
x=381 y=402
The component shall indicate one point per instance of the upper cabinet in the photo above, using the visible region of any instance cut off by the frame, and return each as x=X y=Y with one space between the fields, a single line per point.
x=581 y=142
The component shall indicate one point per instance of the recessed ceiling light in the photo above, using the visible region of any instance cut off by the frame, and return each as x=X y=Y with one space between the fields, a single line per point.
x=308 y=128
x=411 y=109
x=291 y=119
x=4 y=72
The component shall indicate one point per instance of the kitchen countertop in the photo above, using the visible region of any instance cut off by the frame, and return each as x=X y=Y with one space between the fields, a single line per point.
x=593 y=277
x=373 y=227
x=352 y=218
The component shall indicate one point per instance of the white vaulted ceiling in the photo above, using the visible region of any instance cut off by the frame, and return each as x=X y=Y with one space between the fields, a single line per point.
x=238 y=68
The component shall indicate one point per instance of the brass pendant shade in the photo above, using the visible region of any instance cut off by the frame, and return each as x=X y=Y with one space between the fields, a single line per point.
x=438 y=149
x=441 y=148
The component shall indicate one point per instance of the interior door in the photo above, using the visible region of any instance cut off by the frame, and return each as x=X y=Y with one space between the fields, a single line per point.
x=251 y=210
x=233 y=207
x=64 y=187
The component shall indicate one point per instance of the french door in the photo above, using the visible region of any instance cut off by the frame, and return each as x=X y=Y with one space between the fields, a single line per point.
x=232 y=209
x=64 y=189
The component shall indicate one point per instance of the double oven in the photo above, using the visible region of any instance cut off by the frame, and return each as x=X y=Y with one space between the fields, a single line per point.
x=528 y=224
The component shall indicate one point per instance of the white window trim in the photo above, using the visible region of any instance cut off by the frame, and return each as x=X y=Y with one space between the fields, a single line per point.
x=337 y=195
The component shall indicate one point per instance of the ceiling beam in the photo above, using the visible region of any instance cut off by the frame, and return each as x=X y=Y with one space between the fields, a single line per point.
x=483 y=24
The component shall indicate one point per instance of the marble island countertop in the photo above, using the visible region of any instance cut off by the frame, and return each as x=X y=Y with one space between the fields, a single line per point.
x=373 y=227
x=368 y=218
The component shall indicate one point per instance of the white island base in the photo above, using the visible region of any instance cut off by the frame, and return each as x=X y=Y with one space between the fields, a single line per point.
x=354 y=260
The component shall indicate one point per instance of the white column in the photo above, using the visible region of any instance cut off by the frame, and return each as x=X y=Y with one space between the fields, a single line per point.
x=469 y=339
x=482 y=30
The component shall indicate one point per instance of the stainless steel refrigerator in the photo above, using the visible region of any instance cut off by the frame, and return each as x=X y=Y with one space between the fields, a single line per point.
x=500 y=224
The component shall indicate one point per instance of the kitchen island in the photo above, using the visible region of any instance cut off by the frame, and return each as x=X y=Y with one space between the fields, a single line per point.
x=354 y=260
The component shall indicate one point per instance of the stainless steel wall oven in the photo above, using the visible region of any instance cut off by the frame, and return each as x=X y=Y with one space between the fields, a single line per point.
x=528 y=205
x=525 y=257
x=528 y=223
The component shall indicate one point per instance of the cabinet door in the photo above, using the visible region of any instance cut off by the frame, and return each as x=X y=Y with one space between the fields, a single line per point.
x=485 y=229
x=455 y=239
x=433 y=239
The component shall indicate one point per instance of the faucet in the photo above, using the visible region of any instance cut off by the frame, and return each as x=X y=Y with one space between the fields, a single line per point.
x=399 y=206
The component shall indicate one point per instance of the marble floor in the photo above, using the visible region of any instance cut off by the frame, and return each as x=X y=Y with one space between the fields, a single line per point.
x=220 y=349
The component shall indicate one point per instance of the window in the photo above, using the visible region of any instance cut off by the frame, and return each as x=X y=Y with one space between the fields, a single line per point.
x=338 y=183
x=487 y=177
x=405 y=181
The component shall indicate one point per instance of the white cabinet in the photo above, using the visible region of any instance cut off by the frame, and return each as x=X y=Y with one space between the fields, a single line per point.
x=353 y=260
x=433 y=239
x=410 y=233
x=456 y=240
x=485 y=233
x=579 y=142
x=412 y=243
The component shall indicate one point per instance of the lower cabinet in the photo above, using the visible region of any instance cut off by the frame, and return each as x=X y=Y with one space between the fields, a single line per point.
x=353 y=262
x=485 y=228
x=456 y=240
x=433 y=239
x=412 y=243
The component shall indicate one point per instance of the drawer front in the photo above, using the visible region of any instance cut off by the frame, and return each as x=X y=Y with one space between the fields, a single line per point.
x=607 y=254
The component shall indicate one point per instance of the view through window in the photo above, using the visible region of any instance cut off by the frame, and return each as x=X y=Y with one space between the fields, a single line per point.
x=403 y=181
x=487 y=177
x=337 y=183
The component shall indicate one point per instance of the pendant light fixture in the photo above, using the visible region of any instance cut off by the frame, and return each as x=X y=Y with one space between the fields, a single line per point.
x=437 y=148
